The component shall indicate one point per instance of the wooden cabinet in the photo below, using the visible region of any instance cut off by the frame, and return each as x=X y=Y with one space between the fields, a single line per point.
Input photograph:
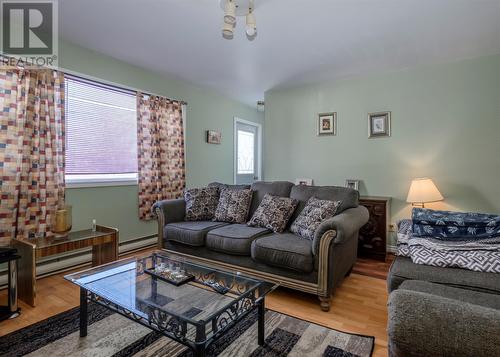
x=373 y=235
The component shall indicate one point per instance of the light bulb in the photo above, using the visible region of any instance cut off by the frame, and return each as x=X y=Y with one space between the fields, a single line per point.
x=230 y=12
x=251 y=27
x=227 y=31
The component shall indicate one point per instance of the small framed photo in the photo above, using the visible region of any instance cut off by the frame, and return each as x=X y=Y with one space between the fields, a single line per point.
x=304 y=181
x=214 y=137
x=327 y=124
x=379 y=124
x=352 y=183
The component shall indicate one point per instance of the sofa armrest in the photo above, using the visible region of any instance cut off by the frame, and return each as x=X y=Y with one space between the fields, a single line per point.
x=346 y=224
x=171 y=210
x=168 y=211
x=423 y=324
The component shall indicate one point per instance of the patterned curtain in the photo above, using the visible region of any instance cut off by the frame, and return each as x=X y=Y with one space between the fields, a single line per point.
x=32 y=144
x=160 y=151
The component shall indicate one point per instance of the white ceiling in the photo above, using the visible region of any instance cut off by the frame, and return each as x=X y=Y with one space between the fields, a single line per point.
x=299 y=41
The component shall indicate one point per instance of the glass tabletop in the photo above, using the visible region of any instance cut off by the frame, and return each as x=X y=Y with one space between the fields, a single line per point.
x=212 y=298
x=58 y=239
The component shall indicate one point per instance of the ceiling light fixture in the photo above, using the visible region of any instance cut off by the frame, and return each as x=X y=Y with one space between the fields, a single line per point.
x=234 y=8
x=227 y=31
x=230 y=12
x=251 y=27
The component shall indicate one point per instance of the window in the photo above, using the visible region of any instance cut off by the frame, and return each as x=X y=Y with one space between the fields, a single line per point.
x=101 y=133
x=245 y=152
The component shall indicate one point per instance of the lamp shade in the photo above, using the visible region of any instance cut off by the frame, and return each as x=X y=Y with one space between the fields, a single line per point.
x=423 y=190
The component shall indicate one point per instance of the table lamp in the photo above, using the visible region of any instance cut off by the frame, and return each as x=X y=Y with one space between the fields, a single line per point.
x=423 y=190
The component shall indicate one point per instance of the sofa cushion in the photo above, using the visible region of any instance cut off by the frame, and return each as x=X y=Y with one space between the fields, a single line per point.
x=274 y=213
x=285 y=251
x=404 y=269
x=201 y=203
x=261 y=188
x=422 y=324
x=302 y=193
x=191 y=233
x=312 y=215
x=233 y=206
x=464 y=295
x=234 y=238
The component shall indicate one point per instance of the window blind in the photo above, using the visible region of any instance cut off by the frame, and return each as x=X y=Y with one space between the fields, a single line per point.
x=101 y=129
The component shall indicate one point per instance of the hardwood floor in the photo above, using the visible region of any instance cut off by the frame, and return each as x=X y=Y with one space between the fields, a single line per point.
x=374 y=268
x=358 y=306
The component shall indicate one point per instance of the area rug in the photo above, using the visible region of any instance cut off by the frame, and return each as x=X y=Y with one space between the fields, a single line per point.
x=110 y=334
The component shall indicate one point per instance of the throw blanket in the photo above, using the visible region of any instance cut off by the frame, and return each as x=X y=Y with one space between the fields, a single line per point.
x=454 y=225
x=404 y=234
x=430 y=239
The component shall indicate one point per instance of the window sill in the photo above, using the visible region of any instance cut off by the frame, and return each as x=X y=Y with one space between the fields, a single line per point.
x=100 y=181
x=100 y=184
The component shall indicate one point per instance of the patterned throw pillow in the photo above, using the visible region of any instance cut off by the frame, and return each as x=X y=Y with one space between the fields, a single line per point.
x=201 y=203
x=273 y=213
x=233 y=206
x=312 y=215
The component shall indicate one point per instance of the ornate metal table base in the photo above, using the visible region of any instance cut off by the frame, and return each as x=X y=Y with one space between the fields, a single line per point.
x=175 y=328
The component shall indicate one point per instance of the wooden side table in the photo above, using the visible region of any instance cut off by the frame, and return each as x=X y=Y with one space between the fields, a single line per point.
x=104 y=243
x=373 y=235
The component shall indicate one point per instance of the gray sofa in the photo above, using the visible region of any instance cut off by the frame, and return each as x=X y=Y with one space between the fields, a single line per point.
x=442 y=312
x=315 y=267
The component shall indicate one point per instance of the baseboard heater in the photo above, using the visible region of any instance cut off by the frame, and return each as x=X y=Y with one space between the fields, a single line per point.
x=68 y=261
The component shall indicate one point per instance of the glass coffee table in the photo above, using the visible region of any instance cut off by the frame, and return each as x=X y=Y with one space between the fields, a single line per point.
x=194 y=313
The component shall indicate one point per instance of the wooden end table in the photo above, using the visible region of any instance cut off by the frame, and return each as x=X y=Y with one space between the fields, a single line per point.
x=104 y=243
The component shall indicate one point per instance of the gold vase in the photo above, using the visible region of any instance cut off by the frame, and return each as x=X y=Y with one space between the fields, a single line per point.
x=63 y=220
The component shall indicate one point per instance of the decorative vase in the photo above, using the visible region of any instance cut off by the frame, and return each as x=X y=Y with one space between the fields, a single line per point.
x=63 y=220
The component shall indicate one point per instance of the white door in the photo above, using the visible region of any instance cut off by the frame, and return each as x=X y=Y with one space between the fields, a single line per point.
x=246 y=151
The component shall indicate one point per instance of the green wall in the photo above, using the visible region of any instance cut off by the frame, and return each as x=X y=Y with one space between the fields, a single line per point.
x=117 y=206
x=445 y=125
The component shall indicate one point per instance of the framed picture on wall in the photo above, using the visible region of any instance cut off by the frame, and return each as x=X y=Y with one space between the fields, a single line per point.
x=352 y=183
x=379 y=124
x=327 y=124
x=304 y=181
x=214 y=137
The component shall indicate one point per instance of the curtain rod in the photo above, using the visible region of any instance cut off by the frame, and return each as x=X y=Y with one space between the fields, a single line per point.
x=113 y=85
x=117 y=86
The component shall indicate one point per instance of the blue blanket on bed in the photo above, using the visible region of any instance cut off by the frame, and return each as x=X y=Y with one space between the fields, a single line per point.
x=448 y=225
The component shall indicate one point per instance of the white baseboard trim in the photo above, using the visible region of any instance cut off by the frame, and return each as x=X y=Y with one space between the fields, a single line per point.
x=71 y=260
x=392 y=248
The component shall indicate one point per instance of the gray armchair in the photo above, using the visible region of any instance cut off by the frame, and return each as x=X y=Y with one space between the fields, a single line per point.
x=427 y=319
